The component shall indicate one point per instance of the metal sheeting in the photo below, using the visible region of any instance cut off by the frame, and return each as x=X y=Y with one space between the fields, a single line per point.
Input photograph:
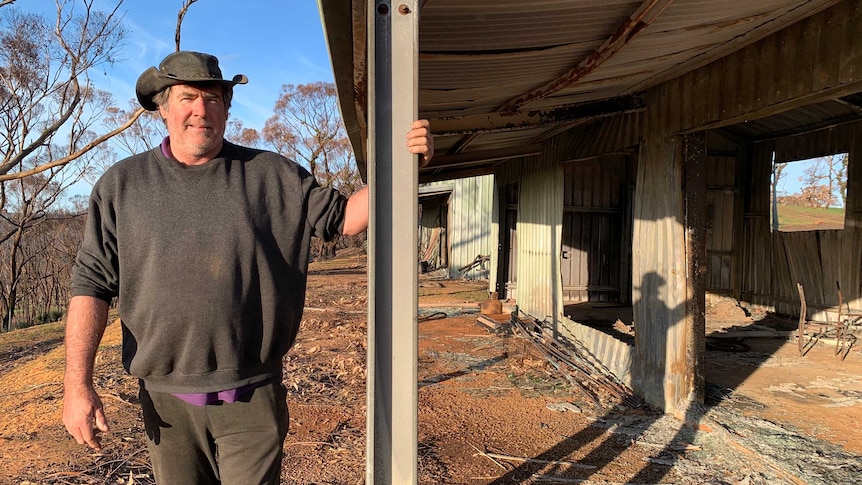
x=784 y=71
x=470 y=225
x=782 y=124
x=756 y=226
x=829 y=141
x=617 y=356
x=540 y=215
x=469 y=229
x=659 y=275
x=602 y=137
x=721 y=200
x=479 y=54
x=493 y=26
x=774 y=262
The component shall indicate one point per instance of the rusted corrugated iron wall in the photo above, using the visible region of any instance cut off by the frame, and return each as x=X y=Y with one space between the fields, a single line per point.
x=776 y=261
x=470 y=229
x=820 y=54
x=758 y=249
x=616 y=140
x=507 y=177
x=616 y=134
x=723 y=221
x=540 y=215
x=817 y=58
x=851 y=276
x=768 y=77
x=615 y=354
x=659 y=270
x=595 y=228
x=771 y=76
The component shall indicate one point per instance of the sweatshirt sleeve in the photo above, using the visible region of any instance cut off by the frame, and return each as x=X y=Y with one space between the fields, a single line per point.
x=326 y=208
x=96 y=270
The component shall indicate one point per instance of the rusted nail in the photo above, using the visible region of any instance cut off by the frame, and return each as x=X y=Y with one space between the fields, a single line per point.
x=403 y=9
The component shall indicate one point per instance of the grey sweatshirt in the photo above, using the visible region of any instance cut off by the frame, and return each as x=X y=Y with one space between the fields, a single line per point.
x=209 y=263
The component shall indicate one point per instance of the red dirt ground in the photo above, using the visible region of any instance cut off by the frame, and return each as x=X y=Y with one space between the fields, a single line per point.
x=492 y=409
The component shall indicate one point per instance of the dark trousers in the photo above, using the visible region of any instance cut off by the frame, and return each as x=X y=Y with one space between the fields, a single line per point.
x=236 y=443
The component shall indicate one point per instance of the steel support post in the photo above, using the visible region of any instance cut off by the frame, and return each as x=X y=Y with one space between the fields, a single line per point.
x=392 y=417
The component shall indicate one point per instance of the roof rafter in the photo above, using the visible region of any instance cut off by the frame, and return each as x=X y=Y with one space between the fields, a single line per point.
x=482 y=156
x=499 y=122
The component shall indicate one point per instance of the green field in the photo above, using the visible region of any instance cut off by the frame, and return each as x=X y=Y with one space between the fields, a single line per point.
x=795 y=218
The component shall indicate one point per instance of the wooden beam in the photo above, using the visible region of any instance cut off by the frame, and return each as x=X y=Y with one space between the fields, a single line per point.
x=694 y=176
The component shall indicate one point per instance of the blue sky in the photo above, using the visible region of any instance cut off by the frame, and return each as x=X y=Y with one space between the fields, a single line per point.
x=273 y=42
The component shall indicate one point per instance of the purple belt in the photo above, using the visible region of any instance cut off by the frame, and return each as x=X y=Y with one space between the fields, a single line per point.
x=227 y=396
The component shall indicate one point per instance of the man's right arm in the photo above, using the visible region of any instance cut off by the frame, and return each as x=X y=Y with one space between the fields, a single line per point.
x=82 y=408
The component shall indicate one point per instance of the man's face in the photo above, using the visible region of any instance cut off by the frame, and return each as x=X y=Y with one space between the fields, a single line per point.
x=195 y=117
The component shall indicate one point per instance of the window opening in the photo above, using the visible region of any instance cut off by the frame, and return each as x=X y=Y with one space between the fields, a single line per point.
x=809 y=195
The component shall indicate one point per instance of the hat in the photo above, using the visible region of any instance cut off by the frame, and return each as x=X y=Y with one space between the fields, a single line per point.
x=181 y=67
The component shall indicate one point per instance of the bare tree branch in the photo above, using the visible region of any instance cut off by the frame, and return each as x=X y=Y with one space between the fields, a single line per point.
x=76 y=155
x=3 y=3
x=180 y=16
x=40 y=140
x=41 y=85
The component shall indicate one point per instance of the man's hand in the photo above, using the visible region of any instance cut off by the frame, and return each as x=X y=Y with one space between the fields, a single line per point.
x=82 y=408
x=83 y=415
x=420 y=141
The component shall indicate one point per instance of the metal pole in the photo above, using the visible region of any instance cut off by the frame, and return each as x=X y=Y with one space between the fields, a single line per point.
x=392 y=417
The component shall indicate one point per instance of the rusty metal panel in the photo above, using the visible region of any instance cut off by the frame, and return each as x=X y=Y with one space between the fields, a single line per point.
x=659 y=275
x=616 y=134
x=758 y=253
x=540 y=208
x=773 y=261
x=594 y=201
x=614 y=354
x=478 y=56
x=721 y=213
x=827 y=141
x=757 y=277
x=756 y=81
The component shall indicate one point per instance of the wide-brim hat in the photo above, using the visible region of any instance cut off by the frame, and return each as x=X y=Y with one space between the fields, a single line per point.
x=183 y=67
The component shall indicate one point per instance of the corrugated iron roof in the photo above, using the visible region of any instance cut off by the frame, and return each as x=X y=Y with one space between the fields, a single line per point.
x=480 y=59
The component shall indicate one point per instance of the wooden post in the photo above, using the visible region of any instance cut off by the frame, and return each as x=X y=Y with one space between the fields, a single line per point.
x=694 y=168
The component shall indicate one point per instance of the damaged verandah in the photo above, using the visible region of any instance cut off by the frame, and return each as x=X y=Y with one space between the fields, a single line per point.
x=668 y=88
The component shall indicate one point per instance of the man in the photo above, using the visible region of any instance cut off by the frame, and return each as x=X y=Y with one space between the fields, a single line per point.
x=206 y=245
